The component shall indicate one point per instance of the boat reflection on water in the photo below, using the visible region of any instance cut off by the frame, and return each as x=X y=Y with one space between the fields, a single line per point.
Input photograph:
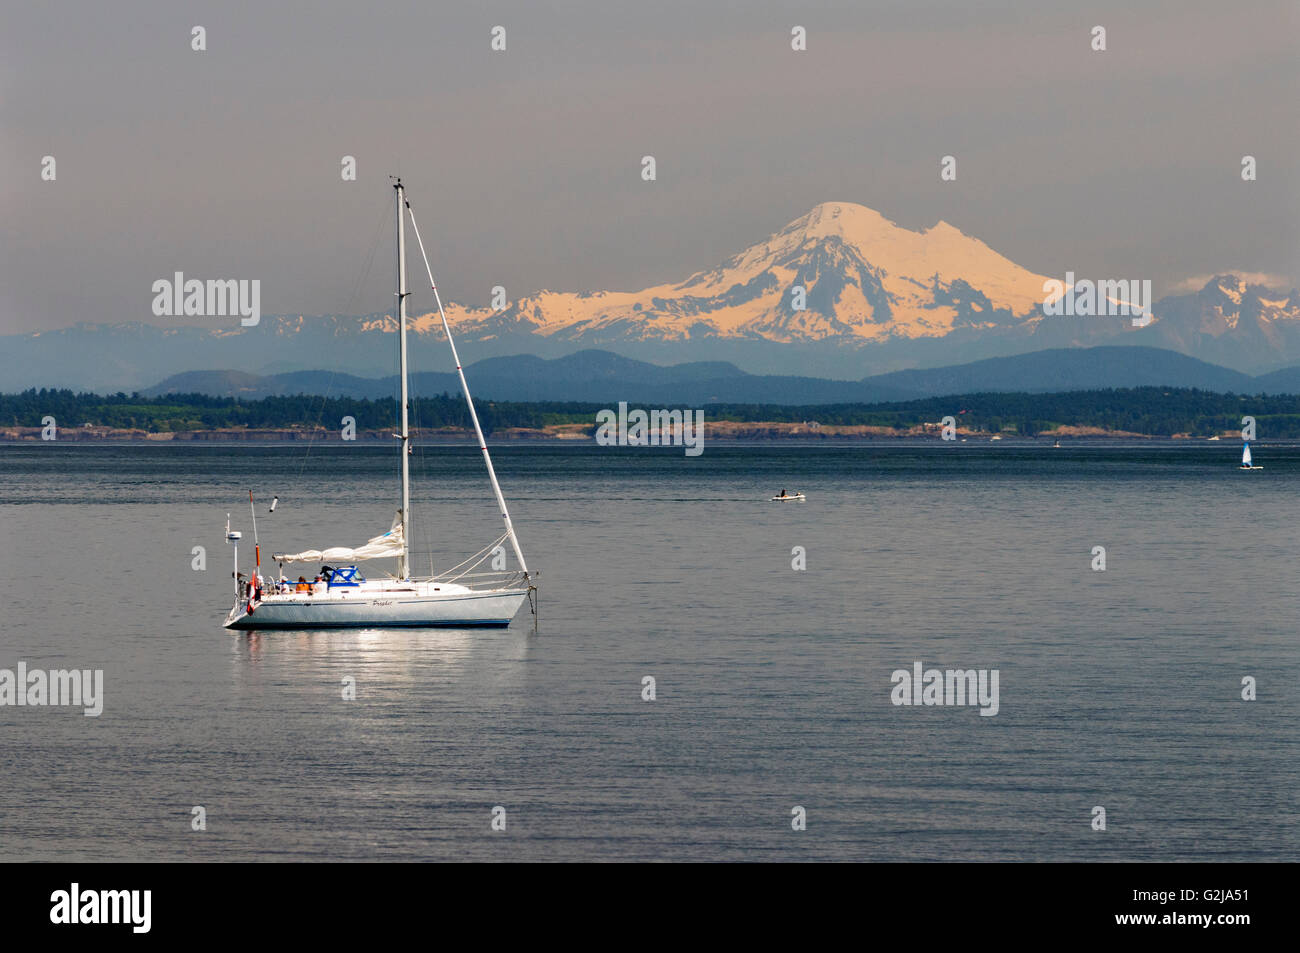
x=380 y=660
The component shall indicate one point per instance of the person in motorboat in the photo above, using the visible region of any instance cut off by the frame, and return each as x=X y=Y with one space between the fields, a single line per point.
x=783 y=492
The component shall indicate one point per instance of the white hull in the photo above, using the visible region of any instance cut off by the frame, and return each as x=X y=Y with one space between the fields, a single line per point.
x=788 y=499
x=457 y=607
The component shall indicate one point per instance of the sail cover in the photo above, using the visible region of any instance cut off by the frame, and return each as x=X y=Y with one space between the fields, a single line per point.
x=386 y=546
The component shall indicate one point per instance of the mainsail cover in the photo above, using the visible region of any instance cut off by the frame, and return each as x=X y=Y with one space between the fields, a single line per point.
x=386 y=546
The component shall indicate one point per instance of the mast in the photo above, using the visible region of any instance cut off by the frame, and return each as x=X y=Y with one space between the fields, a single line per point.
x=257 y=547
x=403 y=567
x=464 y=387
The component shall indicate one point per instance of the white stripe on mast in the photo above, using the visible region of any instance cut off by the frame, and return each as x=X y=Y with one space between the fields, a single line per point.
x=487 y=458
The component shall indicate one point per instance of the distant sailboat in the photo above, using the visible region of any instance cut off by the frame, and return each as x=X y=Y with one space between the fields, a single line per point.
x=1245 y=459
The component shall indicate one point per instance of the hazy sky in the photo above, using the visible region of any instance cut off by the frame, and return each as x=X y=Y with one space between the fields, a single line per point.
x=524 y=166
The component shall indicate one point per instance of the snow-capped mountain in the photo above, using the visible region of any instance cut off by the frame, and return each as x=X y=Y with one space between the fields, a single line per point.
x=1232 y=323
x=841 y=292
x=841 y=273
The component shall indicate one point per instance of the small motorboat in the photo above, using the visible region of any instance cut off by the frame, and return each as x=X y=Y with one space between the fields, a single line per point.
x=795 y=497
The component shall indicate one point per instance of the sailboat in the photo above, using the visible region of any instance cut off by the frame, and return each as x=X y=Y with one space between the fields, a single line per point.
x=1245 y=459
x=342 y=596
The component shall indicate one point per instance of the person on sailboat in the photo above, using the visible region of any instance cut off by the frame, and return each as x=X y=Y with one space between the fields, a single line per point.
x=303 y=585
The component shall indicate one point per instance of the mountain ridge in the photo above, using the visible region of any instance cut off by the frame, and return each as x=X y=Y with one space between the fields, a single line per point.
x=840 y=292
x=593 y=375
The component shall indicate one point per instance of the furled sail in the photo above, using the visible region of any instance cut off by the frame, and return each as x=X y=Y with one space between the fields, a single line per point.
x=386 y=546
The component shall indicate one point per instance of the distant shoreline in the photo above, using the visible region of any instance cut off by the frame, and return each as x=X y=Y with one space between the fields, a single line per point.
x=1137 y=414
x=724 y=431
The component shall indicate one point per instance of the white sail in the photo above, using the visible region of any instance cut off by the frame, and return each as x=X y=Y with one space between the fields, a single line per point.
x=390 y=545
x=1245 y=455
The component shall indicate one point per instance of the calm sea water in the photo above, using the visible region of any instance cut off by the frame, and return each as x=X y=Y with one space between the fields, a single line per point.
x=1119 y=689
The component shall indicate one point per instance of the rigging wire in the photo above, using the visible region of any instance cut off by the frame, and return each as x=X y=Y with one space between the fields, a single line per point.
x=423 y=470
x=469 y=402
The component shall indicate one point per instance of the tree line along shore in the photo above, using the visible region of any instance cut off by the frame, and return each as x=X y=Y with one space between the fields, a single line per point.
x=1150 y=412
